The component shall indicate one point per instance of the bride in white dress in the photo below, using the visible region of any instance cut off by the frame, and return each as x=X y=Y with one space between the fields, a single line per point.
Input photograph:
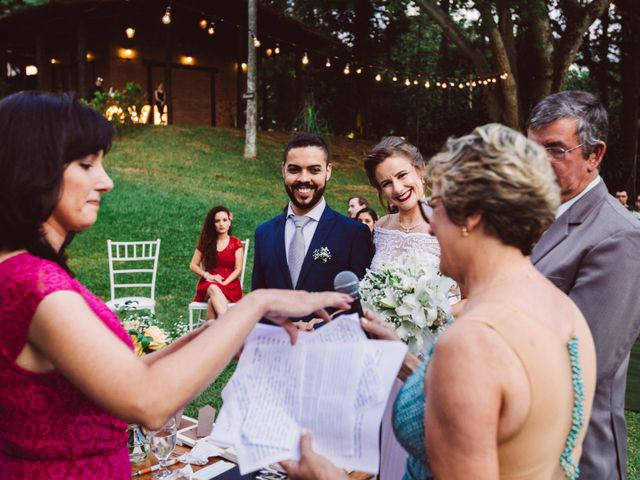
x=395 y=168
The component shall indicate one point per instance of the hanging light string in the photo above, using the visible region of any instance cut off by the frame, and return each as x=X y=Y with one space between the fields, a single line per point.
x=349 y=66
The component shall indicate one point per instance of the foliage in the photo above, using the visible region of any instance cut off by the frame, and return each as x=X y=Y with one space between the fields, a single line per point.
x=309 y=120
x=121 y=107
x=10 y=6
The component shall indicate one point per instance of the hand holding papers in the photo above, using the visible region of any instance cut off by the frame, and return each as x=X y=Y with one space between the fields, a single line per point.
x=333 y=382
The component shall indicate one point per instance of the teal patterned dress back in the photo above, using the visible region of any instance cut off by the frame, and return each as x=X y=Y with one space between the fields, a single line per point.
x=408 y=422
x=408 y=419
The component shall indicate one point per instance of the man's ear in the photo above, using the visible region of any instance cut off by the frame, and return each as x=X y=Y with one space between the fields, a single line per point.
x=329 y=169
x=282 y=171
x=596 y=156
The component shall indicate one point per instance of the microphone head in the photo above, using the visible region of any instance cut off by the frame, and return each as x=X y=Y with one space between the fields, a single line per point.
x=347 y=282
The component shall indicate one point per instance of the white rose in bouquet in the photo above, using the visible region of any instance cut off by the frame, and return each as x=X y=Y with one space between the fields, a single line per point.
x=412 y=295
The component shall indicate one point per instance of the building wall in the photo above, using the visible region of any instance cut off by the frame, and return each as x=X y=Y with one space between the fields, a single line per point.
x=191 y=87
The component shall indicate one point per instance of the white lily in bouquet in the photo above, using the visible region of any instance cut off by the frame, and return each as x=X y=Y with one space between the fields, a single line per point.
x=412 y=295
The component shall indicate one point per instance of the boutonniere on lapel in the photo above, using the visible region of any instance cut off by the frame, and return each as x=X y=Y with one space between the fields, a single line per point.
x=322 y=254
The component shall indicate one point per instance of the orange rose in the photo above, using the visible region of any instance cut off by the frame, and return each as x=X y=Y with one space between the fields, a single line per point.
x=159 y=337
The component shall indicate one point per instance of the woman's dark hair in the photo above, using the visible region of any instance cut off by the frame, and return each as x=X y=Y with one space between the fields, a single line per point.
x=368 y=210
x=40 y=134
x=386 y=148
x=209 y=237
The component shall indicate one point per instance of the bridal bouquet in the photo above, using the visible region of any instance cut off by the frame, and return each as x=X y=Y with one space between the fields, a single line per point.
x=412 y=295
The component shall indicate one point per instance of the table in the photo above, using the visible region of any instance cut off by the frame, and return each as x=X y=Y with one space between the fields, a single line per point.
x=179 y=450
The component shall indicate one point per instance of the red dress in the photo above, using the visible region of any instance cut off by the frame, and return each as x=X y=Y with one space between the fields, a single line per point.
x=225 y=264
x=48 y=428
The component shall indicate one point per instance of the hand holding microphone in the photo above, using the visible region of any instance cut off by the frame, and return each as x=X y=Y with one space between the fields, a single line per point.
x=347 y=282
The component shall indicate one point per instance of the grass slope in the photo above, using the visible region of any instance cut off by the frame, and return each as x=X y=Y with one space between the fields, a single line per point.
x=166 y=179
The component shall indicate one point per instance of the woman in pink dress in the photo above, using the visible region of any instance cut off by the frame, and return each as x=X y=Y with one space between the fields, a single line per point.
x=69 y=380
x=217 y=260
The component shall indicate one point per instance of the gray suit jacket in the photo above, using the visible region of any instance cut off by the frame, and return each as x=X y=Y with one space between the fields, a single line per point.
x=592 y=253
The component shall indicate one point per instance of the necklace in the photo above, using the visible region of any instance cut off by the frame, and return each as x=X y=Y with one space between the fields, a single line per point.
x=410 y=227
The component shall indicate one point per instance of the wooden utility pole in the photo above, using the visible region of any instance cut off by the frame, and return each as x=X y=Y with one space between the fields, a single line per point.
x=250 y=148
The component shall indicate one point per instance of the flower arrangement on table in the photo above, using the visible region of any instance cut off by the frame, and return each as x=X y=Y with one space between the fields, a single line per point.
x=147 y=336
x=412 y=295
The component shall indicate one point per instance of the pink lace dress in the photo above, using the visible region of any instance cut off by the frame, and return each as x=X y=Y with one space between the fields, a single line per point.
x=48 y=428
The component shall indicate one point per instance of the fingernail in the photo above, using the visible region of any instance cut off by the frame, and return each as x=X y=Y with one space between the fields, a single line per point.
x=364 y=320
x=306 y=431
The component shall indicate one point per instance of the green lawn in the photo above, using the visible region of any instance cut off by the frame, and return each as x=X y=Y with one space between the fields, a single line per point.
x=166 y=179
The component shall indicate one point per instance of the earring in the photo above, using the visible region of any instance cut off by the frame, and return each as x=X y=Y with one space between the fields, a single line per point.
x=465 y=231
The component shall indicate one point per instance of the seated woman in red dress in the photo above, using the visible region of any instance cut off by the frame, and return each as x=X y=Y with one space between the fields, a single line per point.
x=218 y=262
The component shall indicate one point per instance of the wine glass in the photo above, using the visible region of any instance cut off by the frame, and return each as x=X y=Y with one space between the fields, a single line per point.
x=162 y=443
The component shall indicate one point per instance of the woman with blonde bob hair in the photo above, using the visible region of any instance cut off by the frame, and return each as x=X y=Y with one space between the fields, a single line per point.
x=507 y=388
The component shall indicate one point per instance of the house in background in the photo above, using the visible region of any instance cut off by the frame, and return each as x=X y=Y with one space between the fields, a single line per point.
x=197 y=48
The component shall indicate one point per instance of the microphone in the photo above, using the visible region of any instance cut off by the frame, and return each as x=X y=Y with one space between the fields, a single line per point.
x=347 y=282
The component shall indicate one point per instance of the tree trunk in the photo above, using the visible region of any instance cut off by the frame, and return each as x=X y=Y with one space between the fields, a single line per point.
x=363 y=51
x=577 y=25
x=541 y=48
x=81 y=57
x=444 y=58
x=250 y=148
x=603 y=66
x=511 y=104
x=630 y=53
x=475 y=56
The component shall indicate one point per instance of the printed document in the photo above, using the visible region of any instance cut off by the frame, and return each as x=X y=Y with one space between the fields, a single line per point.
x=334 y=382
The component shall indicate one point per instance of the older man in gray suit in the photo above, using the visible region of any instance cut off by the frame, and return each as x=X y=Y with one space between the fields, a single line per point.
x=592 y=253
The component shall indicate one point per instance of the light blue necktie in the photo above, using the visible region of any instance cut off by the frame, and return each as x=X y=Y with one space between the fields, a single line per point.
x=297 y=252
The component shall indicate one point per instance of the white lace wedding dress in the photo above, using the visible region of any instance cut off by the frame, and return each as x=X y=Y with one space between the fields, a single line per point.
x=391 y=245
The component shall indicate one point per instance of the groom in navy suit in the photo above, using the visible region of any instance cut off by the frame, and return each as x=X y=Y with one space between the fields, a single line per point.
x=305 y=247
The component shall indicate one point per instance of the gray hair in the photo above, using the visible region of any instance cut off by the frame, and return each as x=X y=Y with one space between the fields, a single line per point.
x=499 y=172
x=593 y=124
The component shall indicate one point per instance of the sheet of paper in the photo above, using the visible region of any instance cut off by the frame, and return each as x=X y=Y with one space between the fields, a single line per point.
x=333 y=382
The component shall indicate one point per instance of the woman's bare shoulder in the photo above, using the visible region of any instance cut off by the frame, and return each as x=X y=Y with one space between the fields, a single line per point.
x=386 y=220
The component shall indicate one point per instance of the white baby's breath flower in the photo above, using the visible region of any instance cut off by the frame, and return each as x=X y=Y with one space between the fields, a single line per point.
x=412 y=295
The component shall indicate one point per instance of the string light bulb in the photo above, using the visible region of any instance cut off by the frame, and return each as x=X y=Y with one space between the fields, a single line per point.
x=212 y=28
x=305 y=58
x=407 y=82
x=438 y=84
x=346 y=69
x=203 y=23
x=444 y=85
x=166 y=18
x=269 y=52
x=460 y=85
x=359 y=70
x=378 y=77
x=427 y=84
x=395 y=79
x=415 y=82
x=277 y=49
x=256 y=41
x=130 y=32
x=327 y=63
x=473 y=84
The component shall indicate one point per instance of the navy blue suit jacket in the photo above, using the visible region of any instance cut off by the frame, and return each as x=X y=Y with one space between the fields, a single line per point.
x=348 y=241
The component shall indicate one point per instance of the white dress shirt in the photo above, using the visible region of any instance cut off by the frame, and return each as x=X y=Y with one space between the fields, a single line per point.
x=567 y=205
x=309 y=229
